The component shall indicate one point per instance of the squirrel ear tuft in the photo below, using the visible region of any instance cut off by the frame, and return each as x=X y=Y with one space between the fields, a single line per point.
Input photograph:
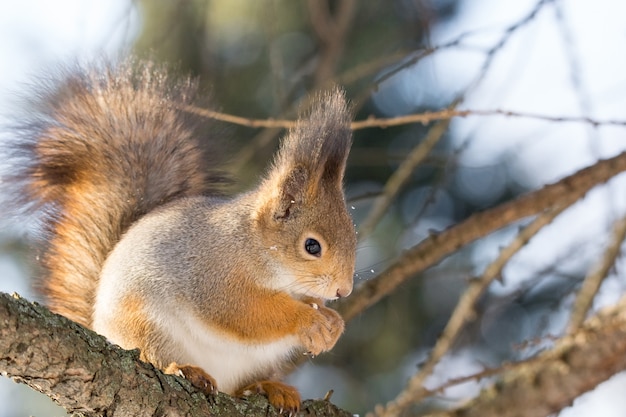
x=321 y=140
x=312 y=156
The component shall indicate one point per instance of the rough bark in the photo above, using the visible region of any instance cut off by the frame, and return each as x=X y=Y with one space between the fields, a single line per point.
x=85 y=374
x=550 y=382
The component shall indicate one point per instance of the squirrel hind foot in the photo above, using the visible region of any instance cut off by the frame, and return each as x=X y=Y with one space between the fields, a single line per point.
x=197 y=376
x=285 y=398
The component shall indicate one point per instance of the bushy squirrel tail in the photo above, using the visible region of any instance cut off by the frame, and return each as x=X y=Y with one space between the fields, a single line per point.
x=103 y=146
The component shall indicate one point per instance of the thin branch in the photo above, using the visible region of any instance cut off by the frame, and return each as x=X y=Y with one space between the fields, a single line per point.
x=508 y=32
x=85 y=374
x=594 y=279
x=365 y=69
x=401 y=175
x=341 y=25
x=438 y=246
x=428 y=117
x=575 y=69
x=276 y=62
x=331 y=31
x=485 y=373
x=491 y=53
x=406 y=168
x=423 y=118
x=238 y=120
x=506 y=37
x=464 y=313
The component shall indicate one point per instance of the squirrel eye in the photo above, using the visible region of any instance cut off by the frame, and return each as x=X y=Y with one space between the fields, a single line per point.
x=313 y=247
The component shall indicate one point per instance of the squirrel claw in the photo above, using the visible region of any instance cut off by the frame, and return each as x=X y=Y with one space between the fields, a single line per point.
x=284 y=397
x=196 y=375
x=322 y=331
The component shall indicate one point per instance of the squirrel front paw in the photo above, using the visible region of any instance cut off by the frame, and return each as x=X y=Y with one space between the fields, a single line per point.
x=196 y=375
x=324 y=330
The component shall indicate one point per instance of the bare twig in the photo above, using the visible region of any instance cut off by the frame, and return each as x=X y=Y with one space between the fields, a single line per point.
x=428 y=117
x=423 y=118
x=485 y=373
x=457 y=41
x=592 y=282
x=575 y=69
x=437 y=246
x=274 y=55
x=238 y=120
x=331 y=32
x=400 y=176
x=464 y=312
x=491 y=53
x=506 y=36
x=368 y=68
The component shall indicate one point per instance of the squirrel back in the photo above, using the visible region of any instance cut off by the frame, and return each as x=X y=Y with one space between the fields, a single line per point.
x=106 y=145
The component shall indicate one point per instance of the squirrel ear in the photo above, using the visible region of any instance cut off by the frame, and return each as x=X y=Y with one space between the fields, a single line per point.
x=290 y=192
x=320 y=141
x=312 y=156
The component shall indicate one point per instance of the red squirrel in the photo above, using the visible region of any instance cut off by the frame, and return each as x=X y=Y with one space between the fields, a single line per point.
x=140 y=245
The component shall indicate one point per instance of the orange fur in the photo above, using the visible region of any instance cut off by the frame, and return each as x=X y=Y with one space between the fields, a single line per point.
x=95 y=155
x=138 y=243
x=282 y=396
x=281 y=315
x=134 y=327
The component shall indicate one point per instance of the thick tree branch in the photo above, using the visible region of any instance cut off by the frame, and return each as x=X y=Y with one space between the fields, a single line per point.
x=85 y=374
x=435 y=248
x=577 y=364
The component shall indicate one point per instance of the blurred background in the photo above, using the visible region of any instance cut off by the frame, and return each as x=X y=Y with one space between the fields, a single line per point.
x=260 y=59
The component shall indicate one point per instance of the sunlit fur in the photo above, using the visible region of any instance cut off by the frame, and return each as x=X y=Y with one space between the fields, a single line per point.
x=139 y=246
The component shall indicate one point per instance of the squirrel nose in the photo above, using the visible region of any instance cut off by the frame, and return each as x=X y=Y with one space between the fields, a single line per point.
x=344 y=291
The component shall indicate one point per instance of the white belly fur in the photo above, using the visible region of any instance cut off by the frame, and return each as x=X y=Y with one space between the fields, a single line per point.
x=226 y=359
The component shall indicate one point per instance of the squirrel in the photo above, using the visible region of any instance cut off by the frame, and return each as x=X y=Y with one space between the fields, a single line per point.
x=141 y=245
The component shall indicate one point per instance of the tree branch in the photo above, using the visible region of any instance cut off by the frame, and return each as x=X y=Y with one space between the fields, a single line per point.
x=464 y=313
x=84 y=373
x=577 y=364
x=423 y=118
x=437 y=246
x=331 y=31
x=597 y=274
x=401 y=176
